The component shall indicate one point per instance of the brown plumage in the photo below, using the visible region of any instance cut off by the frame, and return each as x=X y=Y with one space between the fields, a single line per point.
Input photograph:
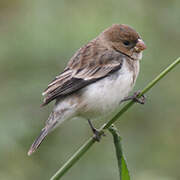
x=94 y=61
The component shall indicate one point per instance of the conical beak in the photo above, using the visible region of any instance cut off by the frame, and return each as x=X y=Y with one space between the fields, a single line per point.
x=140 y=46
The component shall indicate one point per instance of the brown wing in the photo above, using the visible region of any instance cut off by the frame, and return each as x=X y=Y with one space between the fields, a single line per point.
x=88 y=65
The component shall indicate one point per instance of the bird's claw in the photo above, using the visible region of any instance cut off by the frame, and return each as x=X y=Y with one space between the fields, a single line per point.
x=135 y=98
x=98 y=134
x=140 y=100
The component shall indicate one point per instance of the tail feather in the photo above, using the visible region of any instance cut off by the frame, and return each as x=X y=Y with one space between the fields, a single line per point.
x=55 y=119
x=38 y=141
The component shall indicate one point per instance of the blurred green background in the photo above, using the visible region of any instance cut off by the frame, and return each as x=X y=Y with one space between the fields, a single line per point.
x=37 y=38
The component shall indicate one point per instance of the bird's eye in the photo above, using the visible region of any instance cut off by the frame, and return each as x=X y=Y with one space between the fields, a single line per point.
x=126 y=43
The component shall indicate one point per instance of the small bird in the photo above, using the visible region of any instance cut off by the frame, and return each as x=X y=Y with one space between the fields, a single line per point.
x=96 y=80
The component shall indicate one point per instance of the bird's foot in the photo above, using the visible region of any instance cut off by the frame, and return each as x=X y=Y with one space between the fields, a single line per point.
x=135 y=98
x=97 y=133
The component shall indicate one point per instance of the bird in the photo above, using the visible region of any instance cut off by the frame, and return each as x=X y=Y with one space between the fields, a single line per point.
x=96 y=80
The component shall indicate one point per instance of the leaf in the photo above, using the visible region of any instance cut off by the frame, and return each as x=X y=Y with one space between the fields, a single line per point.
x=122 y=165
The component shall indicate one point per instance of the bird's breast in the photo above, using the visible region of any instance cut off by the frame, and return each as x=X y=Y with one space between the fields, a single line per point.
x=105 y=95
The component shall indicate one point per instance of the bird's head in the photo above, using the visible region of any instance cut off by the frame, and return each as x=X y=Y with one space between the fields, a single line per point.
x=124 y=39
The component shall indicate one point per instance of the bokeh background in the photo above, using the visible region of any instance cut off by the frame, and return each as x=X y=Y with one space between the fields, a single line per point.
x=37 y=38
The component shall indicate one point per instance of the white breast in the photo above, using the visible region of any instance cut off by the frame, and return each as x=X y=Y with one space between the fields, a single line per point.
x=105 y=95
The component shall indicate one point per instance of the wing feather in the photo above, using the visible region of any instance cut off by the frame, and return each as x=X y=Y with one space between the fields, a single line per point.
x=88 y=65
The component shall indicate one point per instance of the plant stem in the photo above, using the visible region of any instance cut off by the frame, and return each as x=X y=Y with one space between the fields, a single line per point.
x=91 y=141
x=73 y=159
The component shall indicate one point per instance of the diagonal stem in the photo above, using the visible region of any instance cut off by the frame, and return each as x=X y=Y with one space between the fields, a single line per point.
x=79 y=153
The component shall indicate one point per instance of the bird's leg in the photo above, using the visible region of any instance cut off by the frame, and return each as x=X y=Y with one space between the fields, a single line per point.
x=135 y=98
x=97 y=134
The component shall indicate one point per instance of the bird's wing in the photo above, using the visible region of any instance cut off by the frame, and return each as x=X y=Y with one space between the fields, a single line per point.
x=88 y=65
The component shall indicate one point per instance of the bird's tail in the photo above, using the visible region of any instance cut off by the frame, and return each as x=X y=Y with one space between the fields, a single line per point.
x=53 y=121
x=38 y=140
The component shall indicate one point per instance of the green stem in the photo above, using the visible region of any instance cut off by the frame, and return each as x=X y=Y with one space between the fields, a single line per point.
x=73 y=159
x=91 y=141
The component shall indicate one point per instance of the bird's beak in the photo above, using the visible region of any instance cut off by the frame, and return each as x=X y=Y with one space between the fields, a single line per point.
x=140 y=46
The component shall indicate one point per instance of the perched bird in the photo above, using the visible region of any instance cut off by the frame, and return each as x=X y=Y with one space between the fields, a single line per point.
x=96 y=80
